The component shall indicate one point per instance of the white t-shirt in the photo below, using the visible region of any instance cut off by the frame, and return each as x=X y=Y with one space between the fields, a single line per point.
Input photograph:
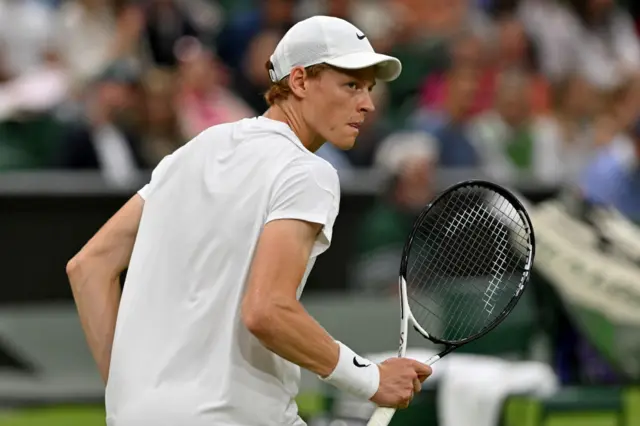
x=181 y=354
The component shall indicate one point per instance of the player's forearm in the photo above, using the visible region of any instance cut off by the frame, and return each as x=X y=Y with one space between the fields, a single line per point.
x=97 y=297
x=288 y=330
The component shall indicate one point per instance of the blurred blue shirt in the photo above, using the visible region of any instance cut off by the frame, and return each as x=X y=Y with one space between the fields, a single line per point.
x=613 y=179
x=454 y=145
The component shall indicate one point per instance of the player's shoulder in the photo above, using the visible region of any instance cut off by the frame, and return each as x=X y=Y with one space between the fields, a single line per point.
x=314 y=171
x=315 y=166
x=288 y=152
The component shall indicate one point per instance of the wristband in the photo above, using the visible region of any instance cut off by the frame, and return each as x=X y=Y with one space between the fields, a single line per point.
x=354 y=374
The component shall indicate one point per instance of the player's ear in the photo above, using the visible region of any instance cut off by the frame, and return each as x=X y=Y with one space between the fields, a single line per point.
x=298 y=82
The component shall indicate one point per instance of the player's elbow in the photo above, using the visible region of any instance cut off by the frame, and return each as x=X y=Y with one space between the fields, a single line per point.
x=74 y=266
x=257 y=318
x=79 y=268
x=262 y=318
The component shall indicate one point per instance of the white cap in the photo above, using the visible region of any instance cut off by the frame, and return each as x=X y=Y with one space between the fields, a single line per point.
x=333 y=41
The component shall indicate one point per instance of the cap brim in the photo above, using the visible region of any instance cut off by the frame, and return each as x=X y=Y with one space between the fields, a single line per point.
x=388 y=68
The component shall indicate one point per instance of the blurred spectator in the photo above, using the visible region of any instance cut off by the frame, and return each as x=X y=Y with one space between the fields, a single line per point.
x=420 y=51
x=409 y=159
x=608 y=48
x=167 y=21
x=617 y=112
x=427 y=34
x=450 y=125
x=568 y=132
x=374 y=18
x=107 y=138
x=203 y=98
x=553 y=148
x=25 y=30
x=517 y=50
x=456 y=56
x=37 y=90
x=466 y=50
x=93 y=33
x=594 y=37
x=446 y=18
x=510 y=49
x=339 y=8
x=252 y=81
x=160 y=132
x=547 y=22
x=503 y=136
x=613 y=178
x=624 y=104
x=234 y=39
x=495 y=8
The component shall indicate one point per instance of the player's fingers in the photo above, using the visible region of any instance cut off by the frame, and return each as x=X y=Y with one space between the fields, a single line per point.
x=417 y=386
x=423 y=370
x=403 y=404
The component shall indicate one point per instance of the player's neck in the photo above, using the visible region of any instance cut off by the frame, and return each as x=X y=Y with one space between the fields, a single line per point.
x=309 y=138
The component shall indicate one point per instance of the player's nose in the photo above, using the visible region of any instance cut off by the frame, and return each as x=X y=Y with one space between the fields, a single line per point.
x=366 y=104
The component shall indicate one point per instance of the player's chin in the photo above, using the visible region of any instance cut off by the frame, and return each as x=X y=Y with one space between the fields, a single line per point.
x=345 y=142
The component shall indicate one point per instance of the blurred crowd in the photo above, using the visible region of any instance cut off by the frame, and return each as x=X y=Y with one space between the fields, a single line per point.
x=542 y=90
x=545 y=89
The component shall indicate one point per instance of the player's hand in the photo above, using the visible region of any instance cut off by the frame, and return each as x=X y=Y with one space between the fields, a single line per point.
x=400 y=379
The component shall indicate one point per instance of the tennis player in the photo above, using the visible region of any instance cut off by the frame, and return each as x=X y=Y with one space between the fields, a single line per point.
x=208 y=329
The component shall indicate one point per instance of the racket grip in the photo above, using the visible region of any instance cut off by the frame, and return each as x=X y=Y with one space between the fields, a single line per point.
x=381 y=417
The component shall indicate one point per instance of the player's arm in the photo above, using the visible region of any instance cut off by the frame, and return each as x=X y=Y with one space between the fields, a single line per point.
x=94 y=275
x=270 y=308
x=300 y=220
x=272 y=312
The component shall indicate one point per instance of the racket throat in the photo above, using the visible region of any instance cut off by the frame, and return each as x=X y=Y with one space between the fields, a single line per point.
x=404 y=320
x=433 y=360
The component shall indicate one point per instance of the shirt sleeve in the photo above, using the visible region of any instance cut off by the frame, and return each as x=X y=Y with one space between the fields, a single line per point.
x=159 y=173
x=309 y=192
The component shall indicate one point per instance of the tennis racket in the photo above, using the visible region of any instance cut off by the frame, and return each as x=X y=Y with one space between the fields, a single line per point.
x=464 y=267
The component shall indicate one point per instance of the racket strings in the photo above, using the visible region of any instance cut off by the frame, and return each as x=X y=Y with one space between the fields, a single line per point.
x=507 y=212
x=488 y=299
x=457 y=314
x=487 y=295
x=466 y=263
x=458 y=306
x=440 y=264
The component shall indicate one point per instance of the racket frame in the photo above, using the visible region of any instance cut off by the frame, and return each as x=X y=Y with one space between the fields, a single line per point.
x=382 y=416
x=524 y=216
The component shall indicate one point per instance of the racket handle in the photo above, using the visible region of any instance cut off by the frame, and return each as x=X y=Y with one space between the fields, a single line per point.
x=381 y=417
